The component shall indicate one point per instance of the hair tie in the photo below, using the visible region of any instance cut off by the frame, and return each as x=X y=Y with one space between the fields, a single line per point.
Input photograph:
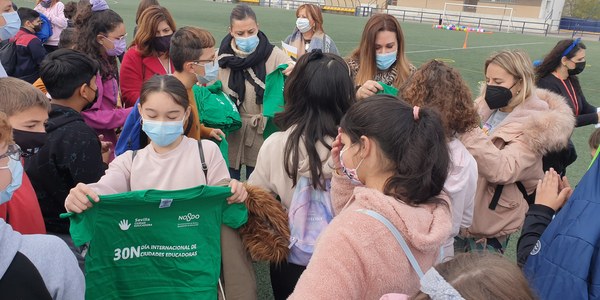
x=99 y=5
x=570 y=48
x=416 y=112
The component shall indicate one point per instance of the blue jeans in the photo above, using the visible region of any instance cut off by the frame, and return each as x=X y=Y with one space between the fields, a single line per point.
x=237 y=174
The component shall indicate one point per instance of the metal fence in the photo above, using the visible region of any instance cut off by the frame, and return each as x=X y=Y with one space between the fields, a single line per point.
x=490 y=23
x=574 y=29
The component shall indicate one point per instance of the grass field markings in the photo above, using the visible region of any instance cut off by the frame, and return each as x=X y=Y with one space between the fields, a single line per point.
x=426 y=45
x=476 y=47
x=446 y=60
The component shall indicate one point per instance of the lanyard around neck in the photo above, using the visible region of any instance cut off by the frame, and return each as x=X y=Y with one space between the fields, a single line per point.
x=573 y=96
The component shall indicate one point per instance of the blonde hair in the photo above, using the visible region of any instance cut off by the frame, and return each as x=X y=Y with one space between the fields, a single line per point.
x=5 y=129
x=518 y=64
x=483 y=276
x=17 y=95
x=365 y=53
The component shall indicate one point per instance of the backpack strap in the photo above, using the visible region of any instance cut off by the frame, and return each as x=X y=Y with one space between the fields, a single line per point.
x=188 y=127
x=530 y=200
x=398 y=236
x=496 y=197
x=203 y=161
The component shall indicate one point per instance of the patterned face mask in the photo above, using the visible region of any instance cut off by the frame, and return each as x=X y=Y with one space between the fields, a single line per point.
x=352 y=174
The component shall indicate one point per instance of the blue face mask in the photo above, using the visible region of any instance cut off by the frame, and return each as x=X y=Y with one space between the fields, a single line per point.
x=163 y=133
x=13 y=23
x=247 y=44
x=16 y=171
x=385 y=61
x=211 y=71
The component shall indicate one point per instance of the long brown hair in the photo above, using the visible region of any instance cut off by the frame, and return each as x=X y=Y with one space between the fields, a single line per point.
x=147 y=26
x=553 y=60
x=142 y=6
x=365 y=53
x=318 y=93
x=89 y=24
x=315 y=13
x=483 y=276
x=437 y=85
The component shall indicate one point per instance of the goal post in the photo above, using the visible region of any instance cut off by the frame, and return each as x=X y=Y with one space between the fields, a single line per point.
x=452 y=16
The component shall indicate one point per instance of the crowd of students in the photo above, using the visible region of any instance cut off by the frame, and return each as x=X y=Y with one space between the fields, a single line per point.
x=413 y=172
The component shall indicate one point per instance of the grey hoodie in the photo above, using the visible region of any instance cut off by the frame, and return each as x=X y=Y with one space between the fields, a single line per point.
x=50 y=255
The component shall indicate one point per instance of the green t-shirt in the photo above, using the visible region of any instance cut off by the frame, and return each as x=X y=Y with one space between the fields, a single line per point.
x=155 y=244
x=273 y=101
x=387 y=89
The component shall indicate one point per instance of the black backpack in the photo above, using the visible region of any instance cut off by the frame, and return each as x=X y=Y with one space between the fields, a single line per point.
x=8 y=56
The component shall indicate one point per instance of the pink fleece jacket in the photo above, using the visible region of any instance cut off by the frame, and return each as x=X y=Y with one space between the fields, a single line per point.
x=357 y=257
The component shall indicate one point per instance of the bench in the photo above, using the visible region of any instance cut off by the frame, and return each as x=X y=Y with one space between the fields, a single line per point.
x=339 y=9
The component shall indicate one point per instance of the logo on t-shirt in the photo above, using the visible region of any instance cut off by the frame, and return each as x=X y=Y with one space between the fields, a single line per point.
x=189 y=220
x=124 y=225
x=189 y=217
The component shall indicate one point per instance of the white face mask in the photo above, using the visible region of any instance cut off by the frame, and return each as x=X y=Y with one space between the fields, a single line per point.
x=303 y=24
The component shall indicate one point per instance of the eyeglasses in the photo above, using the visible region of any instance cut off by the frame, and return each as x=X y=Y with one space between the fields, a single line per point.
x=117 y=39
x=204 y=63
x=13 y=152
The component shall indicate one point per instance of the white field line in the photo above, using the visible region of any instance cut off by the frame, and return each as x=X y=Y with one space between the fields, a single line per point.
x=476 y=47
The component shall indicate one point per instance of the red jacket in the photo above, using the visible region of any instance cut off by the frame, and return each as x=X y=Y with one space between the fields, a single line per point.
x=136 y=69
x=23 y=211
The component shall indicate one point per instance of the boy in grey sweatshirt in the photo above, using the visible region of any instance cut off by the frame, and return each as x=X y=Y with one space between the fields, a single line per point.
x=37 y=267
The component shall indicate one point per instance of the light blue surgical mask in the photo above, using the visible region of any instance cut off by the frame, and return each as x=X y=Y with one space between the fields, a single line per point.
x=385 y=61
x=162 y=133
x=247 y=44
x=13 y=23
x=211 y=71
x=16 y=170
x=303 y=25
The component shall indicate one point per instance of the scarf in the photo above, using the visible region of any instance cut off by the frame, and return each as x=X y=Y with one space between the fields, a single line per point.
x=251 y=68
x=317 y=42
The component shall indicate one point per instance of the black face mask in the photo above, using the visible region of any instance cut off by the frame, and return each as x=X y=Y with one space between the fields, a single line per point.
x=579 y=67
x=89 y=105
x=162 y=43
x=37 y=28
x=497 y=96
x=30 y=142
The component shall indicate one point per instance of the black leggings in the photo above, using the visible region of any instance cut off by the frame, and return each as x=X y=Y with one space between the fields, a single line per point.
x=284 y=278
